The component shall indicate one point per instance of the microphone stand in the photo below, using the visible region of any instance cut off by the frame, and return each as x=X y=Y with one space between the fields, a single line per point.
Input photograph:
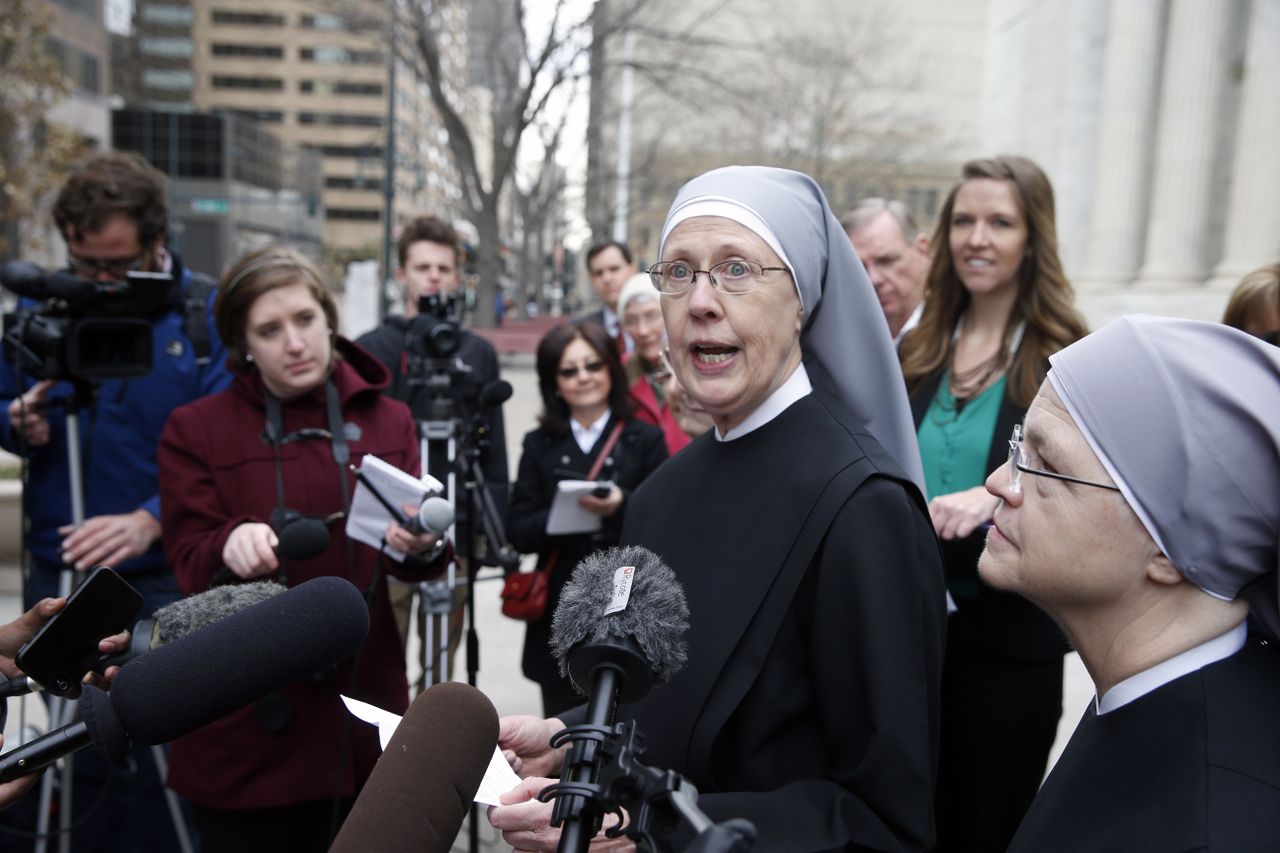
x=657 y=802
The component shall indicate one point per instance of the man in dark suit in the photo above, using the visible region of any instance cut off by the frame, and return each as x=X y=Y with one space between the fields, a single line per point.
x=610 y=265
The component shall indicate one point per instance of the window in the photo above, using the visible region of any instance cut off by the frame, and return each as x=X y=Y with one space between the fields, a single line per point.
x=264 y=116
x=175 y=48
x=338 y=87
x=362 y=152
x=255 y=51
x=322 y=22
x=90 y=76
x=250 y=19
x=339 y=120
x=334 y=182
x=261 y=84
x=352 y=214
x=159 y=78
x=163 y=13
x=340 y=55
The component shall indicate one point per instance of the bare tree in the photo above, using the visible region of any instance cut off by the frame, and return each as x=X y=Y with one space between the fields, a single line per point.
x=34 y=152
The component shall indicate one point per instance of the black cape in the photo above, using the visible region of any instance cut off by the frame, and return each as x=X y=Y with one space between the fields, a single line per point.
x=1193 y=765
x=810 y=701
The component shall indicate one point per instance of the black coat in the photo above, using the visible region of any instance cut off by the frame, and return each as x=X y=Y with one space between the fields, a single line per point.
x=1193 y=765
x=810 y=700
x=545 y=461
x=387 y=342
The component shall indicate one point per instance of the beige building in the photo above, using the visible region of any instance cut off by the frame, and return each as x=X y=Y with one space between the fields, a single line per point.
x=318 y=80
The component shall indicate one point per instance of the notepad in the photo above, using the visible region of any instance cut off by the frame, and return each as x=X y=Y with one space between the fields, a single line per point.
x=368 y=519
x=567 y=516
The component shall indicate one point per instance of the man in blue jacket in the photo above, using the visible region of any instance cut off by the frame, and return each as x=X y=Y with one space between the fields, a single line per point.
x=113 y=216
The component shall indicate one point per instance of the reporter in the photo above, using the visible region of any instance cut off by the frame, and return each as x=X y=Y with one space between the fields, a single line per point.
x=274 y=445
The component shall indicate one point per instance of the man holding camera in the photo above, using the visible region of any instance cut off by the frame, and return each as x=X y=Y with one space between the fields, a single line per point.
x=416 y=347
x=113 y=215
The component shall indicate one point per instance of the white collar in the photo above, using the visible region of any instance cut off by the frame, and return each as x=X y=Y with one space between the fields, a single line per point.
x=795 y=388
x=587 y=436
x=1139 y=685
x=912 y=322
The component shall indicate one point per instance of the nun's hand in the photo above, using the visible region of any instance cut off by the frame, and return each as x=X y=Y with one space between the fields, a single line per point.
x=958 y=514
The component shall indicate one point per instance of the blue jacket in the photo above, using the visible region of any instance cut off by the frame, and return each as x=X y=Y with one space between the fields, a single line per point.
x=119 y=432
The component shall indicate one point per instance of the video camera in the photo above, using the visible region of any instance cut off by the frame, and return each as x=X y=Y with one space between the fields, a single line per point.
x=436 y=332
x=83 y=330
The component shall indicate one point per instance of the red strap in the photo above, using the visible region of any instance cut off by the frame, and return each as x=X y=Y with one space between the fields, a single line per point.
x=604 y=451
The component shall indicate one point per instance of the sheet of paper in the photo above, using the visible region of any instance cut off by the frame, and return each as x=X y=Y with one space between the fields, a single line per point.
x=368 y=519
x=566 y=515
x=498 y=777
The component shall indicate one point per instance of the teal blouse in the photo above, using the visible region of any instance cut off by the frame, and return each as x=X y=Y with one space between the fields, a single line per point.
x=955 y=443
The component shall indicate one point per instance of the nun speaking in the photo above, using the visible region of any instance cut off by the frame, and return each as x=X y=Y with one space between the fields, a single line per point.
x=810 y=700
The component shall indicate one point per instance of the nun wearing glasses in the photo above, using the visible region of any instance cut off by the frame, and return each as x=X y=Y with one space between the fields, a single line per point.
x=1140 y=508
x=810 y=701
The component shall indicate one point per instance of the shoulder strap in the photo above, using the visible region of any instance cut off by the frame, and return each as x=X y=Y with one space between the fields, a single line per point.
x=195 y=313
x=604 y=451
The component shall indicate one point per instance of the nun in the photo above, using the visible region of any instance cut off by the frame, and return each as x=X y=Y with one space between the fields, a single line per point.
x=1141 y=510
x=809 y=703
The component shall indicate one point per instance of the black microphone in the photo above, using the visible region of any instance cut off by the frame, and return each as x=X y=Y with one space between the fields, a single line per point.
x=495 y=393
x=298 y=539
x=26 y=279
x=618 y=630
x=194 y=680
x=190 y=614
x=424 y=782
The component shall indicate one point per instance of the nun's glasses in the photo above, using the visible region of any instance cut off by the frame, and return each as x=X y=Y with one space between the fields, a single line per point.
x=1018 y=466
x=676 y=278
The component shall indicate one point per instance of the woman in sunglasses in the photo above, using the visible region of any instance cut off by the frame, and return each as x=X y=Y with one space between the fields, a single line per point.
x=586 y=425
x=243 y=473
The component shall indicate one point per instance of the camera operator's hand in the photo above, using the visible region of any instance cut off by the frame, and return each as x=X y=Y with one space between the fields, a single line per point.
x=26 y=414
x=407 y=542
x=603 y=507
x=250 y=551
x=109 y=539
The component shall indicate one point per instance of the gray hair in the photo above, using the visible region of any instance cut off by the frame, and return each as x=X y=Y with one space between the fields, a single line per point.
x=869 y=208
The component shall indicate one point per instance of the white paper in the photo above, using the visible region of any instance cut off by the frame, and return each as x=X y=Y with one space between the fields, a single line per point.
x=621 y=590
x=498 y=777
x=567 y=515
x=368 y=519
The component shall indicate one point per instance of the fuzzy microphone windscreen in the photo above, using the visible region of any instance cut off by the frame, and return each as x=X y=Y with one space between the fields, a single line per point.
x=194 y=612
x=656 y=615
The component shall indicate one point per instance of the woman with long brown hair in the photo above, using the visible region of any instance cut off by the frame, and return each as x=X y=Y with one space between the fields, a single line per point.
x=997 y=306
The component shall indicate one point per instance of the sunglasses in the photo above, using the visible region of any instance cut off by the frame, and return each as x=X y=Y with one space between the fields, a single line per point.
x=589 y=367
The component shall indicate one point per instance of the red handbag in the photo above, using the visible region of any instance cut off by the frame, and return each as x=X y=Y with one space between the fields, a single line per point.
x=524 y=594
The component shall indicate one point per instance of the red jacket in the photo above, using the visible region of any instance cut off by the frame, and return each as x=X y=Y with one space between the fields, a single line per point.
x=649 y=411
x=216 y=471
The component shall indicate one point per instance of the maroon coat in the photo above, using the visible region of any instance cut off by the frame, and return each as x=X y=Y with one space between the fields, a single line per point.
x=216 y=472
x=649 y=410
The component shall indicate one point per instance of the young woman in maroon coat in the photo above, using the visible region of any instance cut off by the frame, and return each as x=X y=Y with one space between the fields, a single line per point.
x=279 y=774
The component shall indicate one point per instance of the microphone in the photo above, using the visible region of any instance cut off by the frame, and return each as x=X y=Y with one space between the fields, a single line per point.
x=618 y=629
x=298 y=539
x=188 y=615
x=424 y=782
x=495 y=393
x=194 y=680
x=435 y=515
x=26 y=279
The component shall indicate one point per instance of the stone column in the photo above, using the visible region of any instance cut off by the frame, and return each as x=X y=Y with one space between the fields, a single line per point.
x=1252 y=237
x=1130 y=83
x=1191 y=92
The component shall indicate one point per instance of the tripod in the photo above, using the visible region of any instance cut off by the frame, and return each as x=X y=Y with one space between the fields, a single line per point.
x=63 y=711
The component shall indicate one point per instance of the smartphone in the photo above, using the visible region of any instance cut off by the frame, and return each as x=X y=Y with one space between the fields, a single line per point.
x=603 y=490
x=66 y=646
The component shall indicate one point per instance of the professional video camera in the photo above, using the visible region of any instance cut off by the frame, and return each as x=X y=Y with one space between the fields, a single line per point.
x=83 y=330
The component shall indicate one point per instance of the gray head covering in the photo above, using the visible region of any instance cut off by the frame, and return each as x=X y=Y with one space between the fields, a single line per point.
x=844 y=340
x=1186 y=417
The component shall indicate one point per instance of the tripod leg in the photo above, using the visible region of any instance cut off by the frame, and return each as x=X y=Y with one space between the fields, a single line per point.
x=175 y=808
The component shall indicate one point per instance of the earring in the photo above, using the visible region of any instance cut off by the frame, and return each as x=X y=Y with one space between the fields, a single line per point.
x=248 y=357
